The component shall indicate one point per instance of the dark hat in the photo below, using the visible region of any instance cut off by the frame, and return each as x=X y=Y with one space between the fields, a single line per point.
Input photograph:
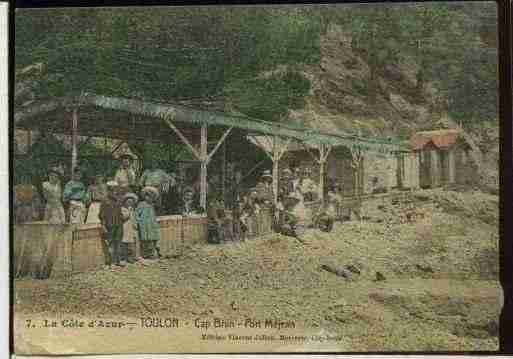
x=56 y=170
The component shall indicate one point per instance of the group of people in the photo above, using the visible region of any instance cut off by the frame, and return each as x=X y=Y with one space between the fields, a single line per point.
x=127 y=206
x=128 y=221
x=295 y=189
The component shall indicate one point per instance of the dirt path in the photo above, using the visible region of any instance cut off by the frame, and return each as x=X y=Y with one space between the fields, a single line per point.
x=440 y=293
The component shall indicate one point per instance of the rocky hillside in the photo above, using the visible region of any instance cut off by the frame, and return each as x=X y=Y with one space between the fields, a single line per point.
x=340 y=98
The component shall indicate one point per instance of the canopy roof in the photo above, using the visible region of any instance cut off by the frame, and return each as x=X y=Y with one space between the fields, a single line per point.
x=126 y=119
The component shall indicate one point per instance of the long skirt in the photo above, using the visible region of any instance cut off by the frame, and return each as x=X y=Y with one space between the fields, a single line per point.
x=54 y=213
x=77 y=212
x=93 y=213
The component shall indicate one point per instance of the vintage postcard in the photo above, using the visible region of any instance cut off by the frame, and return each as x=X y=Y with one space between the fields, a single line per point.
x=256 y=179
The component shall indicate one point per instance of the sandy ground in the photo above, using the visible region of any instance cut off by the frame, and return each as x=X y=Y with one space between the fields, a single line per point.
x=440 y=290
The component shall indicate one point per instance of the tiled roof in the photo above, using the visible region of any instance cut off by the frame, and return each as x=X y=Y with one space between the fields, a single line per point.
x=439 y=138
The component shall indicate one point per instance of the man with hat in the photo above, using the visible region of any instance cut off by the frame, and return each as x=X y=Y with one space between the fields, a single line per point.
x=76 y=194
x=146 y=218
x=125 y=175
x=286 y=184
x=307 y=186
x=52 y=192
x=111 y=219
x=264 y=188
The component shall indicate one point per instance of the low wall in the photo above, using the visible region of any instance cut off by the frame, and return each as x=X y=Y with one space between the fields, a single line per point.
x=43 y=250
x=177 y=231
x=260 y=224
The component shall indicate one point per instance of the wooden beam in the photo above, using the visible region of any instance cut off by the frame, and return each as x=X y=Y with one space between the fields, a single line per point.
x=87 y=140
x=252 y=170
x=209 y=157
x=117 y=147
x=203 y=156
x=277 y=152
x=74 y=154
x=184 y=139
x=324 y=151
x=283 y=148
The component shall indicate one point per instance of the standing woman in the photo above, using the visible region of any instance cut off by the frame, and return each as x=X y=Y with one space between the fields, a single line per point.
x=97 y=192
x=52 y=191
x=75 y=193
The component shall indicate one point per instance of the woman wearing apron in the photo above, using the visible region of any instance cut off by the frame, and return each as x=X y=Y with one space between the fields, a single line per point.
x=52 y=191
x=98 y=192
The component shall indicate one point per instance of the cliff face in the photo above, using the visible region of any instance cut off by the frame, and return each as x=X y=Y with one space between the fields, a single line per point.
x=340 y=97
x=340 y=100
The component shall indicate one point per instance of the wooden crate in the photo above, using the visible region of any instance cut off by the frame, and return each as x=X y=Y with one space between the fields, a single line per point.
x=89 y=251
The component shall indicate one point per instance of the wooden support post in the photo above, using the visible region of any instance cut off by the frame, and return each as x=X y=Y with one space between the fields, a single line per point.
x=324 y=152
x=29 y=142
x=74 y=153
x=224 y=173
x=203 y=170
x=356 y=164
x=279 y=150
x=276 y=179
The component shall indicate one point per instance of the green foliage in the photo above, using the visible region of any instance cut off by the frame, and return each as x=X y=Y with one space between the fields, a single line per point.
x=166 y=54
x=48 y=151
x=161 y=155
x=171 y=53
x=269 y=98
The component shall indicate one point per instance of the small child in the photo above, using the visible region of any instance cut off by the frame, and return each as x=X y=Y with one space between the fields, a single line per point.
x=130 y=243
x=112 y=223
x=148 y=227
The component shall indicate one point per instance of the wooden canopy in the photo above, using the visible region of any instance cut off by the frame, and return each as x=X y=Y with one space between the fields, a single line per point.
x=136 y=120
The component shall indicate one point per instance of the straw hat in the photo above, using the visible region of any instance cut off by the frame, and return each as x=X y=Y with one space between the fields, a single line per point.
x=188 y=190
x=267 y=173
x=151 y=190
x=130 y=195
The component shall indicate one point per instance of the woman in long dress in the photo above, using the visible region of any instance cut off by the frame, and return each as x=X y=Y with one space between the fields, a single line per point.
x=98 y=192
x=52 y=191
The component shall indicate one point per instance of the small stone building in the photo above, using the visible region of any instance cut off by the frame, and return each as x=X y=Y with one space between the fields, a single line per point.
x=443 y=158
